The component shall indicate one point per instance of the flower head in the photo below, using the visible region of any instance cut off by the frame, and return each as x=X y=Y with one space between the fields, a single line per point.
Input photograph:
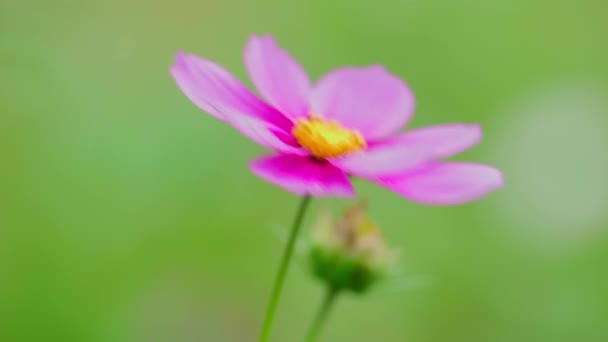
x=349 y=254
x=347 y=124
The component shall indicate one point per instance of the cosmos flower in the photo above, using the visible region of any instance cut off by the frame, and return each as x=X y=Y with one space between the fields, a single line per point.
x=347 y=124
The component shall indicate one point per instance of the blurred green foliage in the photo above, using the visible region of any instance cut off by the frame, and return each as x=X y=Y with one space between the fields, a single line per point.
x=127 y=214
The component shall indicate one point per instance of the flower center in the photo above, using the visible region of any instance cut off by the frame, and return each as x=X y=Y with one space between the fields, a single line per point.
x=326 y=138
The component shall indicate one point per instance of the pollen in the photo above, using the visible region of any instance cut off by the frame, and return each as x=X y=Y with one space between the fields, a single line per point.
x=327 y=138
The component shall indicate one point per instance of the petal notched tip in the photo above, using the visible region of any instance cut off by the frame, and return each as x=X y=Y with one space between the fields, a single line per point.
x=259 y=38
x=180 y=69
x=179 y=60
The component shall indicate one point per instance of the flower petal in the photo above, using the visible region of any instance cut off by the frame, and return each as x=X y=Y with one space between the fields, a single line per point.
x=446 y=183
x=303 y=175
x=277 y=76
x=409 y=150
x=366 y=99
x=217 y=92
x=268 y=136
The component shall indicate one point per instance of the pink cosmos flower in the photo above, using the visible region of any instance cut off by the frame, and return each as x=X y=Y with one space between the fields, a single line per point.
x=347 y=124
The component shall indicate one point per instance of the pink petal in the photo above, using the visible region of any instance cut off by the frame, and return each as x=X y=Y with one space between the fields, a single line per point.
x=409 y=150
x=303 y=175
x=268 y=136
x=446 y=183
x=217 y=92
x=277 y=76
x=369 y=100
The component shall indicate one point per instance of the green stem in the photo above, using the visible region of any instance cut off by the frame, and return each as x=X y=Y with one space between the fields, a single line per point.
x=283 y=267
x=317 y=324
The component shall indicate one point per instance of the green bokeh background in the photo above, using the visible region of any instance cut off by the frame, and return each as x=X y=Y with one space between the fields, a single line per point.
x=127 y=214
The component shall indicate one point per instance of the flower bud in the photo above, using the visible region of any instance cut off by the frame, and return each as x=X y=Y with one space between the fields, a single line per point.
x=349 y=254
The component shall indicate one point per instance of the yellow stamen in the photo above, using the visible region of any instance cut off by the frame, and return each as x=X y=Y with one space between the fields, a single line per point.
x=327 y=138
